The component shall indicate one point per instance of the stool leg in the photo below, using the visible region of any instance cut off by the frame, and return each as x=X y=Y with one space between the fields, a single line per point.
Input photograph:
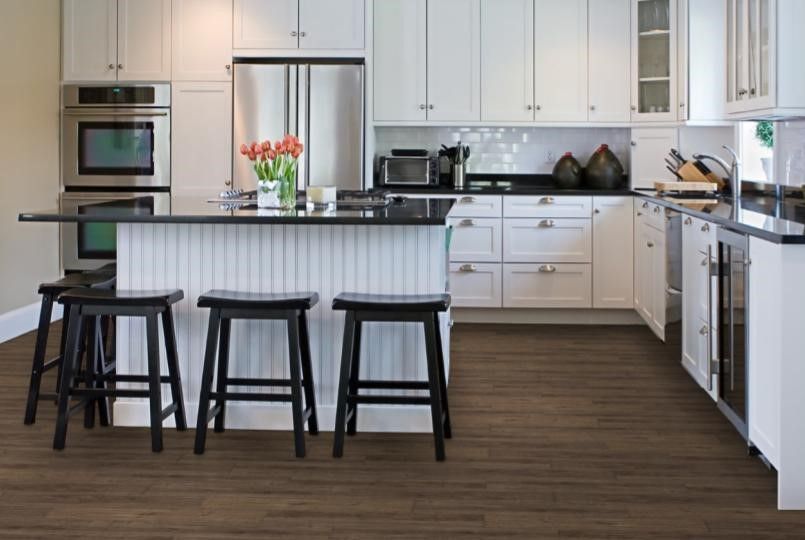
x=154 y=384
x=307 y=374
x=354 y=372
x=433 y=379
x=448 y=430
x=206 y=381
x=71 y=351
x=62 y=346
x=223 y=374
x=39 y=358
x=296 y=384
x=173 y=369
x=100 y=369
x=90 y=366
x=343 y=381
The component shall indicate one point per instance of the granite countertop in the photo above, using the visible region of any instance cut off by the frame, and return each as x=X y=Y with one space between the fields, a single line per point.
x=758 y=215
x=186 y=209
x=511 y=184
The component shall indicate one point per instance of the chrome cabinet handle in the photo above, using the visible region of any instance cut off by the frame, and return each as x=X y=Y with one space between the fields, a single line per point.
x=468 y=268
x=120 y=66
x=706 y=227
x=547 y=269
x=633 y=143
x=596 y=211
x=467 y=200
x=467 y=223
x=705 y=261
x=302 y=34
x=422 y=107
x=656 y=210
x=634 y=107
x=539 y=107
x=592 y=108
x=688 y=221
x=430 y=107
x=294 y=33
x=709 y=320
x=227 y=182
x=704 y=330
x=742 y=92
x=645 y=205
x=650 y=244
x=228 y=67
x=529 y=107
x=547 y=200
x=639 y=214
x=111 y=66
x=548 y=223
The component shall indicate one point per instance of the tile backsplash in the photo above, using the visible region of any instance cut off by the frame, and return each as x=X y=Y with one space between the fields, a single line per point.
x=789 y=153
x=512 y=150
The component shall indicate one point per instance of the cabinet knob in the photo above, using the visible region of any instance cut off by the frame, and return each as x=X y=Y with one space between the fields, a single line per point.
x=742 y=92
x=539 y=107
x=547 y=269
x=529 y=107
x=227 y=182
x=547 y=200
x=294 y=33
x=596 y=211
x=706 y=227
x=547 y=223
x=650 y=244
x=592 y=107
x=705 y=261
x=681 y=105
x=228 y=67
x=688 y=221
x=634 y=108
x=656 y=210
x=430 y=107
x=752 y=92
x=633 y=143
x=468 y=268
x=639 y=214
x=467 y=223
x=302 y=34
x=120 y=66
x=645 y=205
x=467 y=200
x=704 y=330
x=111 y=66
x=422 y=107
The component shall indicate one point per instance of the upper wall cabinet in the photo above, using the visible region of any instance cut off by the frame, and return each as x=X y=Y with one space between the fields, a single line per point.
x=126 y=40
x=609 y=60
x=654 y=51
x=764 y=58
x=298 y=24
x=202 y=40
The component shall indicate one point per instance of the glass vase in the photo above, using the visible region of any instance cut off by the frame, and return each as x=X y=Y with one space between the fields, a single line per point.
x=287 y=191
x=268 y=194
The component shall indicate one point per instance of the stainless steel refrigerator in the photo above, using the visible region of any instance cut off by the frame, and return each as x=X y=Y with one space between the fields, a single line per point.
x=321 y=103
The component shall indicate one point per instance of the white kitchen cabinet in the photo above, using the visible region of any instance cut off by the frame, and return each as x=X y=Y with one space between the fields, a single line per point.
x=483 y=206
x=650 y=147
x=108 y=40
x=476 y=285
x=560 y=45
x=266 y=24
x=89 y=40
x=454 y=60
x=654 y=50
x=547 y=286
x=547 y=206
x=476 y=239
x=202 y=40
x=144 y=40
x=400 y=57
x=609 y=60
x=649 y=269
x=507 y=60
x=764 y=58
x=613 y=244
x=201 y=138
x=331 y=24
x=547 y=240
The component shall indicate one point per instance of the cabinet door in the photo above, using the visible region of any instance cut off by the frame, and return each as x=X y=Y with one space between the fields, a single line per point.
x=547 y=286
x=331 y=24
x=399 y=66
x=613 y=243
x=201 y=139
x=643 y=268
x=560 y=53
x=476 y=285
x=654 y=52
x=454 y=60
x=531 y=206
x=266 y=24
x=476 y=240
x=202 y=40
x=507 y=60
x=657 y=281
x=609 y=60
x=89 y=33
x=144 y=40
x=759 y=17
x=650 y=146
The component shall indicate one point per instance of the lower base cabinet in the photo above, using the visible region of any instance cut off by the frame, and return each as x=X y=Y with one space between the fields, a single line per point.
x=476 y=285
x=547 y=286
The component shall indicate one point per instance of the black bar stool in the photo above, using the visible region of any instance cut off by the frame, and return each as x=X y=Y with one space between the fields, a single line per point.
x=103 y=278
x=227 y=305
x=362 y=308
x=89 y=303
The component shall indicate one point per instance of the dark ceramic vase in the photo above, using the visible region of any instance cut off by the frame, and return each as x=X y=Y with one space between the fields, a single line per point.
x=604 y=171
x=567 y=172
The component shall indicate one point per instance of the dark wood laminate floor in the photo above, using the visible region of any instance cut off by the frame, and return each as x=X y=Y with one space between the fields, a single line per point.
x=560 y=432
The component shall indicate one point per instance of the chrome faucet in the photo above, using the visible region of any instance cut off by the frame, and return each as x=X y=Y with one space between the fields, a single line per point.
x=733 y=169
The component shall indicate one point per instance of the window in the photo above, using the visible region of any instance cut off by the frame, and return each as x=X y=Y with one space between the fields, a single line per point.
x=756 y=140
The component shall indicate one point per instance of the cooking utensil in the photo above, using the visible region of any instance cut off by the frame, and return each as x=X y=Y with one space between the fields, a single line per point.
x=672 y=170
x=677 y=154
x=671 y=164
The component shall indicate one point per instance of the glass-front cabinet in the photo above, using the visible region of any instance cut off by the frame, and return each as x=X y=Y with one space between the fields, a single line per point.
x=750 y=52
x=654 y=50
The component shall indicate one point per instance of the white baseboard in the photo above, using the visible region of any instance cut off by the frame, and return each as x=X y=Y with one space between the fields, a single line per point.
x=267 y=416
x=547 y=316
x=22 y=320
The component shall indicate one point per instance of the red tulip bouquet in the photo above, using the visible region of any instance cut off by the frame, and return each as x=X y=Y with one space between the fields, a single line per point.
x=275 y=166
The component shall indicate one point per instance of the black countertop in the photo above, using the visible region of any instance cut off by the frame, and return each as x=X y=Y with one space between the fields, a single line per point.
x=757 y=215
x=511 y=184
x=185 y=209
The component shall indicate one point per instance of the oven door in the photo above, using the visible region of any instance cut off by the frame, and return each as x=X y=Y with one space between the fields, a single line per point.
x=116 y=147
x=86 y=246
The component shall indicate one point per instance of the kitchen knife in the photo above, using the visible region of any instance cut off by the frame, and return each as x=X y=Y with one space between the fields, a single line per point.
x=678 y=155
x=673 y=171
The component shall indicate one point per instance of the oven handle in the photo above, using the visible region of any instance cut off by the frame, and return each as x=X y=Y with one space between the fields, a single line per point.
x=84 y=196
x=112 y=114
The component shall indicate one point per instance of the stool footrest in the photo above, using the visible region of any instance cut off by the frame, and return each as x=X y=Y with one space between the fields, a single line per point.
x=249 y=396
x=394 y=385
x=389 y=400
x=50 y=364
x=107 y=392
x=169 y=410
x=258 y=382
x=164 y=379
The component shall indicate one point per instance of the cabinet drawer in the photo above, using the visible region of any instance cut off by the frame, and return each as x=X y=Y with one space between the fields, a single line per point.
x=476 y=239
x=476 y=285
x=522 y=206
x=547 y=286
x=478 y=206
x=547 y=240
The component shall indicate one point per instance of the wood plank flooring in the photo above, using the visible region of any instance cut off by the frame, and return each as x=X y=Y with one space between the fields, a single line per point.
x=560 y=432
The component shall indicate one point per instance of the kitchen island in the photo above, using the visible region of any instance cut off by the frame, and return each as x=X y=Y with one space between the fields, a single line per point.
x=198 y=246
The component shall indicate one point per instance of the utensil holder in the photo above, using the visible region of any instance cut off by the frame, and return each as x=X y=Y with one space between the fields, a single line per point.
x=458 y=173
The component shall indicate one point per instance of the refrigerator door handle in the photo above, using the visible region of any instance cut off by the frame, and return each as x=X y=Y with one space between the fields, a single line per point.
x=303 y=108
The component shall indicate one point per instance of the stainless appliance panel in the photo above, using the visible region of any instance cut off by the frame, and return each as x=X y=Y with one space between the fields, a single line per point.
x=118 y=147
x=403 y=171
x=333 y=101
x=86 y=246
x=262 y=109
x=106 y=95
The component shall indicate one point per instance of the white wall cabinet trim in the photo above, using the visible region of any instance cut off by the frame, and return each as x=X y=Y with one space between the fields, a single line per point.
x=266 y=24
x=609 y=60
x=331 y=24
x=89 y=40
x=202 y=40
x=144 y=40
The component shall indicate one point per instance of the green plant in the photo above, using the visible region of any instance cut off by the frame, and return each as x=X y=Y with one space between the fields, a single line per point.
x=764 y=132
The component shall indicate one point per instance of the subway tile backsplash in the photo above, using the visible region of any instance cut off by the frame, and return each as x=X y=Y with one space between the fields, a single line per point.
x=511 y=150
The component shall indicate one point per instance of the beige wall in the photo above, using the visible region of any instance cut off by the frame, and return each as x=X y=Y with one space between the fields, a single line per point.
x=29 y=146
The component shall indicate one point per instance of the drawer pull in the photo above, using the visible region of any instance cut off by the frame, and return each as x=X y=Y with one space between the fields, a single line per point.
x=688 y=221
x=703 y=331
x=547 y=269
x=639 y=214
x=706 y=227
x=650 y=244
x=645 y=205
x=467 y=223
x=468 y=268
x=547 y=223
x=547 y=200
x=468 y=200
x=656 y=210
x=705 y=261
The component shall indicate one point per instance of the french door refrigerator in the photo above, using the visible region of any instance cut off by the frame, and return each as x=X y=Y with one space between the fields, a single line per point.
x=320 y=102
